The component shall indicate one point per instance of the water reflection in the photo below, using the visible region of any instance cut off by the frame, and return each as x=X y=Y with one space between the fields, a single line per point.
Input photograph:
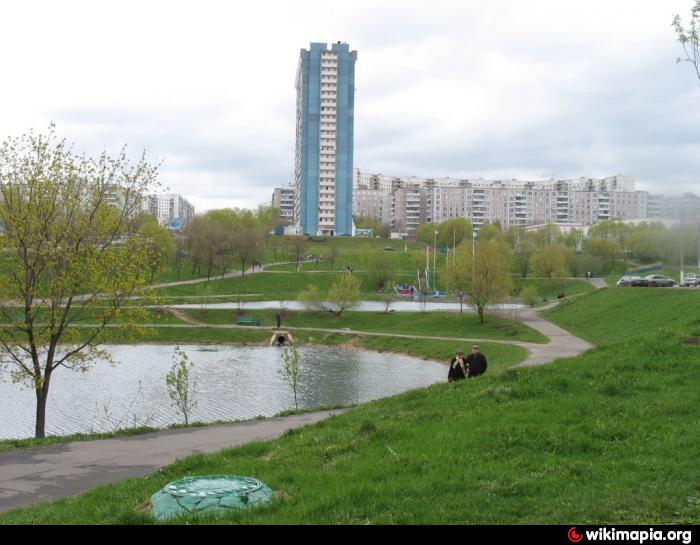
x=234 y=382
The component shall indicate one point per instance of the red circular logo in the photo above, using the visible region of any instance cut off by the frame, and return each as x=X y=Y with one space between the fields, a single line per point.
x=574 y=536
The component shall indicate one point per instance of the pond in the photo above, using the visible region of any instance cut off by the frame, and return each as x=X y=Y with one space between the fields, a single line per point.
x=371 y=306
x=233 y=383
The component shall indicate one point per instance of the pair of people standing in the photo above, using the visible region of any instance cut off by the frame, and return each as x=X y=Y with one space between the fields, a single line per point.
x=471 y=366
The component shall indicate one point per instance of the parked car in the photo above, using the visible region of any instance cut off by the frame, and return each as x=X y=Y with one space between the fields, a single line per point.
x=629 y=281
x=658 y=281
x=692 y=279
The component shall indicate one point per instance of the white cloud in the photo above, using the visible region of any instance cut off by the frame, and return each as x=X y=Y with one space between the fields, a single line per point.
x=477 y=88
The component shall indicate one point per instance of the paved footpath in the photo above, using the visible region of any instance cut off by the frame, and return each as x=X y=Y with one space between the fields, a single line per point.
x=31 y=476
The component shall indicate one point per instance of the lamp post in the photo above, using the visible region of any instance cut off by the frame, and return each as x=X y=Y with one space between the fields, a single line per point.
x=473 y=255
x=434 y=256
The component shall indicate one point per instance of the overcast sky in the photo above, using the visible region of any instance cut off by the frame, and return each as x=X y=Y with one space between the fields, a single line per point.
x=492 y=88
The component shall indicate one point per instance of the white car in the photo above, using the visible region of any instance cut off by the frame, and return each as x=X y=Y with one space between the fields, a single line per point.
x=692 y=279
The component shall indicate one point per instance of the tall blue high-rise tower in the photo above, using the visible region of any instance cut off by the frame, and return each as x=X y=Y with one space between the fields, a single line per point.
x=325 y=85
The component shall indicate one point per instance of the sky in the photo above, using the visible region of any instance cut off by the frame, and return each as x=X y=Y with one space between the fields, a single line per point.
x=491 y=89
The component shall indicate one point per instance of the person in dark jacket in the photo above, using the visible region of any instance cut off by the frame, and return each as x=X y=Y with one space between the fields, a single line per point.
x=476 y=362
x=458 y=368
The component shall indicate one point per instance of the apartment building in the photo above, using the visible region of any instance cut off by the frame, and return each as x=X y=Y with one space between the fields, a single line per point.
x=169 y=209
x=283 y=200
x=325 y=86
x=583 y=201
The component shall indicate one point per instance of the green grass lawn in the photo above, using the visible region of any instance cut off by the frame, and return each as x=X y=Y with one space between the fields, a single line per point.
x=612 y=315
x=608 y=437
x=442 y=324
x=551 y=288
x=272 y=286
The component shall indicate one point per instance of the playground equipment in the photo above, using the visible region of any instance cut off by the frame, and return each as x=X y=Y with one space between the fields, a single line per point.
x=406 y=290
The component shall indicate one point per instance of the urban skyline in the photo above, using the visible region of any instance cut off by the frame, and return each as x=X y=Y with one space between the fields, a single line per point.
x=486 y=89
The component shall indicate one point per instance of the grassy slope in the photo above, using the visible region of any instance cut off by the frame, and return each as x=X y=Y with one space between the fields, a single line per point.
x=551 y=288
x=612 y=315
x=611 y=436
x=443 y=324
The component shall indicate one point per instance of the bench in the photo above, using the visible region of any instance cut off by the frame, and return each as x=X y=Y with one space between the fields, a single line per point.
x=247 y=320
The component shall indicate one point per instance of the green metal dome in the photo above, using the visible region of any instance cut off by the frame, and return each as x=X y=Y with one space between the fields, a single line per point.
x=208 y=493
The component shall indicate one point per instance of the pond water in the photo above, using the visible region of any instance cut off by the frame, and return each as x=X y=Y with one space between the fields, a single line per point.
x=233 y=382
x=370 y=306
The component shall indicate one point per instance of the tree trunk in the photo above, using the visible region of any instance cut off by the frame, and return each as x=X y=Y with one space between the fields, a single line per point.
x=480 y=310
x=42 y=395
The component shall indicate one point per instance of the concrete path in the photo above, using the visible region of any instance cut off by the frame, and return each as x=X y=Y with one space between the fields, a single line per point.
x=49 y=473
x=28 y=477
x=562 y=344
x=598 y=283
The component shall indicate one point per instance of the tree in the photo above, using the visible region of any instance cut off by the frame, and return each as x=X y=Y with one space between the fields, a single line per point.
x=388 y=294
x=344 y=294
x=160 y=243
x=492 y=231
x=453 y=231
x=247 y=243
x=298 y=247
x=550 y=262
x=291 y=370
x=485 y=280
x=548 y=234
x=334 y=253
x=381 y=268
x=64 y=247
x=181 y=387
x=522 y=246
x=689 y=38
x=207 y=240
x=426 y=233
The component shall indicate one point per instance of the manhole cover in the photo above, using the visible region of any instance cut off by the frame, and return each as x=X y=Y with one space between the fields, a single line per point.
x=211 y=493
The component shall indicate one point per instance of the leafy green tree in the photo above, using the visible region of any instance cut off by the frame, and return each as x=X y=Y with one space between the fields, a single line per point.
x=160 y=242
x=65 y=246
x=485 y=279
x=689 y=37
x=207 y=241
x=291 y=369
x=381 y=268
x=492 y=231
x=550 y=262
x=522 y=246
x=426 y=233
x=453 y=231
x=181 y=386
x=343 y=294
x=548 y=234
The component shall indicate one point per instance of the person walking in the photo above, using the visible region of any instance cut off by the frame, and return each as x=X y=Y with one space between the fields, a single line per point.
x=279 y=319
x=476 y=362
x=459 y=369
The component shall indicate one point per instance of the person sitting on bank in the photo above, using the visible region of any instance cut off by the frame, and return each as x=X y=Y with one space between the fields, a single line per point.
x=476 y=362
x=459 y=369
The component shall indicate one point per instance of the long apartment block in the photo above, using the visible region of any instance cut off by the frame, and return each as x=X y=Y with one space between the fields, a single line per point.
x=406 y=202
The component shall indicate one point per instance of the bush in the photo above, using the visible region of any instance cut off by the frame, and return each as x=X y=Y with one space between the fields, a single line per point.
x=529 y=295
